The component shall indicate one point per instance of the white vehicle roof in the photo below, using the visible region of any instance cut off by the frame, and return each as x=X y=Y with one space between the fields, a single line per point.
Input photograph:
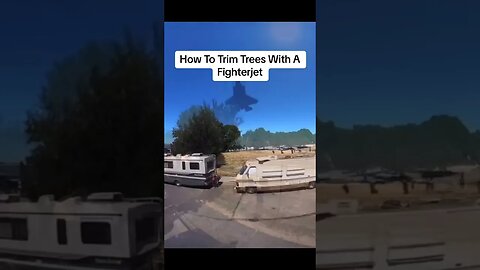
x=195 y=156
x=75 y=205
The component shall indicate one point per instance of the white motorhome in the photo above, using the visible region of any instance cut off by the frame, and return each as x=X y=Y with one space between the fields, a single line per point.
x=103 y=231
x=260 y=175
x=197 y=170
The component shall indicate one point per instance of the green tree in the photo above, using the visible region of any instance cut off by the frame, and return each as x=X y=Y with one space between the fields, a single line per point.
x=186 y=116
x=226 y=114
x=201 y=132
x=104 y=138
x=231 y=134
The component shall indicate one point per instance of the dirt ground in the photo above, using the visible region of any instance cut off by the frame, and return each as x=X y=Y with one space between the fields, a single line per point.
x=231 y=162
x=443 y=195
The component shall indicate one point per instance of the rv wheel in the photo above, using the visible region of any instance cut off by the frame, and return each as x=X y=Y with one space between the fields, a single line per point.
x=177 y=183
x=251 y=190
x=311 y=185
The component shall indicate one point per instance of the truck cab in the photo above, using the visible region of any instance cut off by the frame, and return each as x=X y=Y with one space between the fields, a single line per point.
x=248 y=172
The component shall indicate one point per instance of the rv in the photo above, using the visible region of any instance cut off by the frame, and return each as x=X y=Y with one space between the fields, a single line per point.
x=102 y=231
x=196 y=170
x=260 y=175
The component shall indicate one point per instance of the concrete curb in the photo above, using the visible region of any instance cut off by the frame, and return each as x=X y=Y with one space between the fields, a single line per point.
x=284 y=235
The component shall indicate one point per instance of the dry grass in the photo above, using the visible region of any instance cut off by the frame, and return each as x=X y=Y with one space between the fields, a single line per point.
x=231 y=162
x=448 y=194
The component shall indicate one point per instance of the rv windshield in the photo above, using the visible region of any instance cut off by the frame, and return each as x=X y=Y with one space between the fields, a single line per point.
x=242 y=170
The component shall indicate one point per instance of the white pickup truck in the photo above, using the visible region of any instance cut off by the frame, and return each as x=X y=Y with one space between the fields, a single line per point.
x=262 y=175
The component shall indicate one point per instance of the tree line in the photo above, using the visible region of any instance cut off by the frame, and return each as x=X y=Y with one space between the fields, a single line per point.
x=261 y=137
x=440 y=141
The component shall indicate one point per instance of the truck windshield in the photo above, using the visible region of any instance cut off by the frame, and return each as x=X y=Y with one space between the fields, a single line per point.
x=242 y=170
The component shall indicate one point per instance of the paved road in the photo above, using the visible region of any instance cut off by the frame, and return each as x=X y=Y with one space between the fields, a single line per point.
x=220 y=217
x=456 y=233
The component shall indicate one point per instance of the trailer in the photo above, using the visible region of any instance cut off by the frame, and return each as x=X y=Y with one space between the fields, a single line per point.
x=260 y=175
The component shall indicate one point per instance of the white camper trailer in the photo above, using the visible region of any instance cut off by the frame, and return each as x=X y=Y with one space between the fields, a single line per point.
x=196 y=170
x=260 y=175
x=103 y=231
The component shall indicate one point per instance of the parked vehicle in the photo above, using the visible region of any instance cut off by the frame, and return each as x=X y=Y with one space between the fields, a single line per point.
x=196 y=170
x=260 y=175
x=103 y=231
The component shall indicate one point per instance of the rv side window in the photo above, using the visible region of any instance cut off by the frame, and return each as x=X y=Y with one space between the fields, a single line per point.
x=183 y=165
x=194 y=166
x=61 y=232
x=146 y=231
x=210 y=165
x=96 y=233
x=13 y=228
x=168 y=164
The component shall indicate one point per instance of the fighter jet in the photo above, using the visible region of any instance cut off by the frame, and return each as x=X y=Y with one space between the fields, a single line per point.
x=240 y=98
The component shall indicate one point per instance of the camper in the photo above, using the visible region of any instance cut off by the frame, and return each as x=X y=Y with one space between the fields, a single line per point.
x=195 y=170
x=101 y=231
x=261 y=175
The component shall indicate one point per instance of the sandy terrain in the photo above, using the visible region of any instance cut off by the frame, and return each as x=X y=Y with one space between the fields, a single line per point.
x=231 y=162
x=444 y=195
x=438 y=230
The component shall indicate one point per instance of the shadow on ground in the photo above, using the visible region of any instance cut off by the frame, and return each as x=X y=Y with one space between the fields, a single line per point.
x=196 y=239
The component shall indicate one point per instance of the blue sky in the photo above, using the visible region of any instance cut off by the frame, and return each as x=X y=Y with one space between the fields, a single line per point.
x=394 y=62
x=36 y=34
x=285 y=103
